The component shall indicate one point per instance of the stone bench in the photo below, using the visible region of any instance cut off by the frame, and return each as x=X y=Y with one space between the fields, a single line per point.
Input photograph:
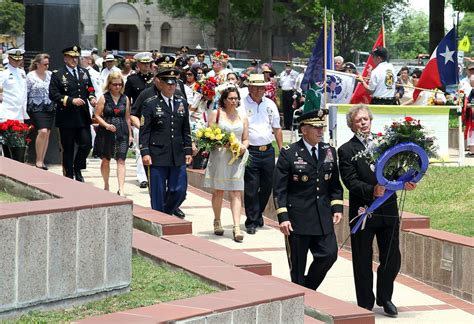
x=157 y=223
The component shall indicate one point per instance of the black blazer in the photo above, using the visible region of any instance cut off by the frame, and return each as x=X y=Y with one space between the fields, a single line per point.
x=305 y=192
x=360 y=180
x=63 y=88
x=165 y=134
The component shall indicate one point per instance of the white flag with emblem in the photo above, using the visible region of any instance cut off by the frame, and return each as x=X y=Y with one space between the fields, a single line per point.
x=339 y=86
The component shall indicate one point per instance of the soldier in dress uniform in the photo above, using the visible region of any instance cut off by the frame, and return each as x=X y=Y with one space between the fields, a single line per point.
x=135 y=84
x=71 y=88
x=165 y=141
x=308 y=200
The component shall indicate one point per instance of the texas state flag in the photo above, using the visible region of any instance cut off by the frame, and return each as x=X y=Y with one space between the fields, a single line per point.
x=441 y=69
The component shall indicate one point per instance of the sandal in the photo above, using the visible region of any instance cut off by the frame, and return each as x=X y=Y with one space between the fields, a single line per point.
x=238 y=236
x=218 y=230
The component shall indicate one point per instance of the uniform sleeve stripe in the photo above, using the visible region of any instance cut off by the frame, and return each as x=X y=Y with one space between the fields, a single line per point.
x=337 y=202
x=281 y=210
x=65 y=101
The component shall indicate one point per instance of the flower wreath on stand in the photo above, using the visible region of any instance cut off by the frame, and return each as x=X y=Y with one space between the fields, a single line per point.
x=407 y=130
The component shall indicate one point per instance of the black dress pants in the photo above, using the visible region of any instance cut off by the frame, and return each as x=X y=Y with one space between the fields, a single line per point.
x=324 y=251
x=258 y=184
x=71 y=138
x=389 y=258
x=287 y=103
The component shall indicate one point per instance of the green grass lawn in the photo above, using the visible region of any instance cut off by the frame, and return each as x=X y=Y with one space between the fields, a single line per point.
x=445 y=194
x=151 y=284
x=5 y=197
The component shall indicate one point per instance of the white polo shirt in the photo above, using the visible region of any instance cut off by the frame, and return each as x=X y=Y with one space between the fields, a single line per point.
x=288 y=80
x=13 y=81
x=382 y=81
x=262 y=118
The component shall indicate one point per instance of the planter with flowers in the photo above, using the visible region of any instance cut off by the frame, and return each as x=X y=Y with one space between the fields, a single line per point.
x=14 y=136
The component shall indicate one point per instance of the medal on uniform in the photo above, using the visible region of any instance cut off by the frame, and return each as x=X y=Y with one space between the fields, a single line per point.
x=326 y=176
x=295 y=177
x=304 y=178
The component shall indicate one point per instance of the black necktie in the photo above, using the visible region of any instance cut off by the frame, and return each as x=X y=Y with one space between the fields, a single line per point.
x=313 y=154
x=75 y=73
x=170 y=104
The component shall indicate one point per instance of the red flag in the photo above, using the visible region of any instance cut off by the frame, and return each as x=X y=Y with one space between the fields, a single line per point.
x=360 y=95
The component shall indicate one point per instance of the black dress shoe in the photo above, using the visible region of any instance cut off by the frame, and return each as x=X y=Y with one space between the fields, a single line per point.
x=260 y=222
x=251 y=230
x=388 y=307
x=78 y=176
x=143 y=184
x=179 y=213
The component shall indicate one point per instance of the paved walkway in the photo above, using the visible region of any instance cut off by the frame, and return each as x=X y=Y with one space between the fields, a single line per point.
x=268 y=244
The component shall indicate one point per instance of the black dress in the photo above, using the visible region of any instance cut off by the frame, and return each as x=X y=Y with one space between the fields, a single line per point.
x=108 y=144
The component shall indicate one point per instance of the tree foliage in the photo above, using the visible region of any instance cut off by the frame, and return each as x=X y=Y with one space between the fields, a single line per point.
x=410 y=38
x=466 y=27
x=357 y=23
x=12 y=17
x=463 y=5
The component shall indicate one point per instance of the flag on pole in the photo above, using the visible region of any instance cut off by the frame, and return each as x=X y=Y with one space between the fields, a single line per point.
x=360 y=95
x=315 y=69
x=441 y=69
x=339 y=86
x=330 y=47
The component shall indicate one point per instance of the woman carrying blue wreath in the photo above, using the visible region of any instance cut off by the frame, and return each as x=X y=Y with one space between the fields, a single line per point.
x=359 y=178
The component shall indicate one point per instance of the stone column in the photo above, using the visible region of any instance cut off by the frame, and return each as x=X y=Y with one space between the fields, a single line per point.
x=147 y=34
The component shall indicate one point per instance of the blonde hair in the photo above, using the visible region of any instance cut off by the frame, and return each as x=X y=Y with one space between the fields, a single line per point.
x=37 y=60
x=114 y=75
x=354 y=110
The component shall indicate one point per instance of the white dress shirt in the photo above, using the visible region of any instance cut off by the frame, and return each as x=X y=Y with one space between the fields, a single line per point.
x=13 y=82
x=382 y=81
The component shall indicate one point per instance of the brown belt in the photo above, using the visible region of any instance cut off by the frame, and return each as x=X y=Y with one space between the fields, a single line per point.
x=261 y=148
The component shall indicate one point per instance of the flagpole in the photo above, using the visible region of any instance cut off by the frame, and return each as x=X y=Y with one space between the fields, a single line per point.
x=325 y=56
x=383 y=32
x=332 y=42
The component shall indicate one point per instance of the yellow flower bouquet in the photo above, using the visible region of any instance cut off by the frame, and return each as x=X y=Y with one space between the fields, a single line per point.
x=209 y=138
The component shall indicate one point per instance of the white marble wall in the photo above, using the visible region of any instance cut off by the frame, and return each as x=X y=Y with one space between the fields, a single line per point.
x=183 y=31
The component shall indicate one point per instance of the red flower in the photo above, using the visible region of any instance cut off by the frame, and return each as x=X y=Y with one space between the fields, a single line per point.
x=205 y=154
x=116 y=110
x=379 y=134
x=408 y=119
x=90 y=89
x=28 y=140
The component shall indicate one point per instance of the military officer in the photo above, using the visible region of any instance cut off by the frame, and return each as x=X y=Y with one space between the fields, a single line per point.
x=308 y=200
x=71 y=88
x=165 y=141
x=13 y=91
x=135 y=84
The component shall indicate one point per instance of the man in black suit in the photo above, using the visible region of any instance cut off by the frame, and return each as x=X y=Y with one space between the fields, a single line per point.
x=308 y=200
x=165 y=141
x=384 y=224
x=70 y=88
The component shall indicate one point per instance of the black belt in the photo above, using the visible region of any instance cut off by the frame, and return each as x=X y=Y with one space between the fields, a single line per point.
x=261 y=148
x=387 y=100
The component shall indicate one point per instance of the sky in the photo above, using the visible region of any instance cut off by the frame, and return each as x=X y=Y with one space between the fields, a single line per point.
x=423 y=5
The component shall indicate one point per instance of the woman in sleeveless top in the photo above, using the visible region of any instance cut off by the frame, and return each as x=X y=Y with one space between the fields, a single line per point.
x=114 y=133
x=221 y=176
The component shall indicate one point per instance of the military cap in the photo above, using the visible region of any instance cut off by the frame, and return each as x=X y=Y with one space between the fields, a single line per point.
x=74 y=51
x=16 y=54
x=86 y=53
x=316 y=118
x=166 y=61
x=143 y=57
x=169 y=75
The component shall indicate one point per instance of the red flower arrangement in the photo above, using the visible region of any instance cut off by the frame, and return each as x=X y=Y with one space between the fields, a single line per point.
x=91 y=90
x=15 y=133
x=220 y=56
x=116 y=110
x=206 y=87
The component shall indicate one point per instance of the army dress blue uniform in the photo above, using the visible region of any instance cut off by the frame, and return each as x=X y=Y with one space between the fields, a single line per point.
x=307 y=193
x=165 y=136
x=73 y=121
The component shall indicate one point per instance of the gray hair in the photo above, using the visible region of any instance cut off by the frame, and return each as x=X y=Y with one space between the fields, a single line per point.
x=339 y=58
x=354 y=110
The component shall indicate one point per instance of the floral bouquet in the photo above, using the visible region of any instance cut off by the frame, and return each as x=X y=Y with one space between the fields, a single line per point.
x=210 y=138
x=206 y=87
x=15 y=133
x=403 y=131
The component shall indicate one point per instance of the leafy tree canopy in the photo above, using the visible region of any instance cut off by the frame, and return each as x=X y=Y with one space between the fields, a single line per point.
x=12 y=17
x=466 y=27
x=410 y=38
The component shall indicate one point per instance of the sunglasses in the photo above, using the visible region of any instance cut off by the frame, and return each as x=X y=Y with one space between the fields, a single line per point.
x=117 y=84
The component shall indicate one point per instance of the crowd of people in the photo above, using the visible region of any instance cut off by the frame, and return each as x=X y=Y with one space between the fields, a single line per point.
x=157 y=104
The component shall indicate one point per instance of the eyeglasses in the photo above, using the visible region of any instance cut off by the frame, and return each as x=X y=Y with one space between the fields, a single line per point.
x=414 y=77
x=232 y=98
x=117 y=84
x=189 y=74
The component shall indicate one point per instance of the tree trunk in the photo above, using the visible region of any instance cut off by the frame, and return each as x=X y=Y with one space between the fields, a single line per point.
x=436 y=23
x=267 y=25
x=222 y=26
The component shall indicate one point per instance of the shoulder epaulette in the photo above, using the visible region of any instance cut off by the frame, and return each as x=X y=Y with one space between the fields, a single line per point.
x=149 y=99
